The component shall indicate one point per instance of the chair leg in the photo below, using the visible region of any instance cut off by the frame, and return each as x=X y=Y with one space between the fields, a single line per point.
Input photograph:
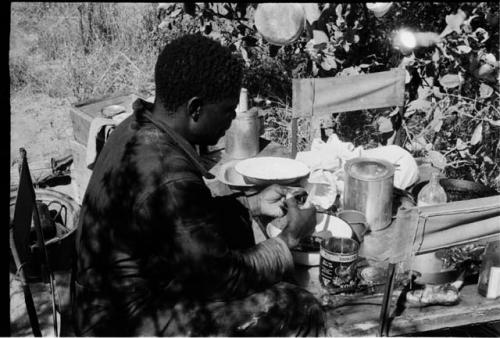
x=386 y=302
x=30 y=307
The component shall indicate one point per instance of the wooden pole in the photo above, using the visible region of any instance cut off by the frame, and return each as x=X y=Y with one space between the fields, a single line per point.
x=386 y=301
x=295 y=136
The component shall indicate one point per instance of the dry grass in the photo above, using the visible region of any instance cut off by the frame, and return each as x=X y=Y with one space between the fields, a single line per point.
x=74 y=56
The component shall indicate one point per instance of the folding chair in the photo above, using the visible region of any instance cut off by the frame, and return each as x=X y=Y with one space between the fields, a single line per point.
x=421 y=230
x=25 y=210
x=315 y=98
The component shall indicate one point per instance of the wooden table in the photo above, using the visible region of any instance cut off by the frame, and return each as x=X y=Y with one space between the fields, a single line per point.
x=359 y=315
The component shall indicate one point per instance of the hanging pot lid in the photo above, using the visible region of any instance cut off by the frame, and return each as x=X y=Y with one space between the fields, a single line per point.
x=280 y=23
x=379 y=9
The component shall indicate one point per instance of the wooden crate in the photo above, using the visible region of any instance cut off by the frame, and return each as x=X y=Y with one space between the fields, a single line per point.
x=82 y=115
x=84 y=112
x=80 y=174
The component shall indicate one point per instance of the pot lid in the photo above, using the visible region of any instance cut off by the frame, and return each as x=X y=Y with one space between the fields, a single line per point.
x=369 y=169
x=280 y=23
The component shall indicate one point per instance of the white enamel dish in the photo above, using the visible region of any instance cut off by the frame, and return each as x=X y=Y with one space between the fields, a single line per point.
x=228 y=175
x=268 y=170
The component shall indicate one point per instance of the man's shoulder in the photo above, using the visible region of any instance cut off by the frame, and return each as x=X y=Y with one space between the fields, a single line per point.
x=156 y=154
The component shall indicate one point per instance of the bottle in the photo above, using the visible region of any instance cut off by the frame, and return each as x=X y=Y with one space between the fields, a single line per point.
x=432 y=193
x=242 y=138
x=489 y=274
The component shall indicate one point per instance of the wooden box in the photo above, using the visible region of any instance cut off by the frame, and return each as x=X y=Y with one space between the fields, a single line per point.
x=82 y=115
x=84 y=112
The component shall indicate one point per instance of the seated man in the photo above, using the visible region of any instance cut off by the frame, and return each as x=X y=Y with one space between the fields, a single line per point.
x=157 y=255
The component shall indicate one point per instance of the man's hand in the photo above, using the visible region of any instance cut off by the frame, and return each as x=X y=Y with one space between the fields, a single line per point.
x=269 y=202
x=300 y=223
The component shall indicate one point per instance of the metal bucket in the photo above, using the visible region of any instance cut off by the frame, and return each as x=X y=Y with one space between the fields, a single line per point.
x=369 y=188
x=60 y=249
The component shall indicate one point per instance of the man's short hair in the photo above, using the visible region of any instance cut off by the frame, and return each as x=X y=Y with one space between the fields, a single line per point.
x=194 y=65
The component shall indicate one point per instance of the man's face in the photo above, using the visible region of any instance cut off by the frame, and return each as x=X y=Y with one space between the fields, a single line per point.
x=215 y=119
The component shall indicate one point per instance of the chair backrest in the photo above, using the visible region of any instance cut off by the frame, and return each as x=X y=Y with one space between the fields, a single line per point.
x=25 y=210
x=317 y=97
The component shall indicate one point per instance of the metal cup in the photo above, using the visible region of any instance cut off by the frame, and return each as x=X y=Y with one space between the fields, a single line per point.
x=357 y=222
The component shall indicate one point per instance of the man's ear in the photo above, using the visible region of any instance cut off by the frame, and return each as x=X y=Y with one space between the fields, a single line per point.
x=194 y=107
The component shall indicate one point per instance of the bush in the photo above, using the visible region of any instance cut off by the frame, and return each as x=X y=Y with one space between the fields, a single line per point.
x=451 y=116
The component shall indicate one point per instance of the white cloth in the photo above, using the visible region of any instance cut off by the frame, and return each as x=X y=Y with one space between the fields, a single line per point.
x=406 y=172
x=332 y=155
x=96 y=126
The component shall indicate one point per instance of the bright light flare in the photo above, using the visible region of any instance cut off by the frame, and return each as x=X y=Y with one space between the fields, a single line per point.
x=407 y=39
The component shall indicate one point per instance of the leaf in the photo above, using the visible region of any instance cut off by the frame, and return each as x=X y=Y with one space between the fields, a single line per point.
x=244 y=54
x=484 y=71
x=485 y=91
x=450 y=81
x=419 y=104
x=482 y=32
x=338 y=10
x=315 y=69
x=424 y=92
x=407 y=77
x=346 y=46
x=489 y=58
x=435 y=55
x=328 y=63
x=454 y=21
x=176 y=13
x=319 y=46
x=462 y=148
x=437 y=159
x=165 y=5
x=407 y=61
x=258 y=99
x=436 y=125
x=438 y=113
x=384 y=125
x=437 y=93
x=487 y=159
x=208 y=28
x=477 y=135
x=394 y=112
x=494 y=123
x=463 y=49
x=461 y=145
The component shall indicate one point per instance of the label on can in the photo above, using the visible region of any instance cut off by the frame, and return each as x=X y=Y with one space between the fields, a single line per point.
x=337 y=269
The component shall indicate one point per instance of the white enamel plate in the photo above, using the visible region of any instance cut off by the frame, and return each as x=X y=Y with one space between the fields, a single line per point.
x=266 y=170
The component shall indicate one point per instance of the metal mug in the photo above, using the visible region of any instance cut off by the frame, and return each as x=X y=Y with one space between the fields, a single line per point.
x=368 y=188
x=357 y=222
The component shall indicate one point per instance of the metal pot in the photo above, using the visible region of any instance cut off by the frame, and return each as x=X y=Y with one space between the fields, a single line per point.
x=369 y=188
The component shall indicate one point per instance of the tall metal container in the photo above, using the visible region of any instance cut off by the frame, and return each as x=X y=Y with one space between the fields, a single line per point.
x=242 y=138
x=368 y=188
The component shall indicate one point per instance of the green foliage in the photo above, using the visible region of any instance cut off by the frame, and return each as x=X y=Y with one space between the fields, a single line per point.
x=92 y=49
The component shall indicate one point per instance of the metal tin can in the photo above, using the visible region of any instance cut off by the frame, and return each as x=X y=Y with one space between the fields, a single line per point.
x=337 y=263
x=368 y=188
